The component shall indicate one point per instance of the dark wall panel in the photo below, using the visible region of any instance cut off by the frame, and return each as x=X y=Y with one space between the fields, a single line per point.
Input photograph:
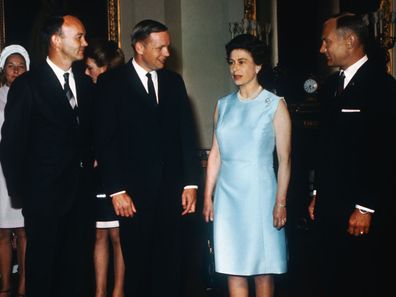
x=23 y=19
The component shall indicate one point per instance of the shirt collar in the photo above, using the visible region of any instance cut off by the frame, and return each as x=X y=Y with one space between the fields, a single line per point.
x=59 y=72
x=142 y=72
x=351 y=70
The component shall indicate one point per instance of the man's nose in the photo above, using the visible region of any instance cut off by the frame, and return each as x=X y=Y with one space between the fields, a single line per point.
x=166 y=52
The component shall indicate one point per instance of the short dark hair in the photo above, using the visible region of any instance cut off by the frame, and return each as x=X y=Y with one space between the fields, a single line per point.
x=355 y=23
x=105 y=53
x=144 y=28
x=248 y=43
x=51 y=26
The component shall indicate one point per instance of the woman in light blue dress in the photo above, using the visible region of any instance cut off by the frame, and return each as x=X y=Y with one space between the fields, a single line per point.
x=249 y=205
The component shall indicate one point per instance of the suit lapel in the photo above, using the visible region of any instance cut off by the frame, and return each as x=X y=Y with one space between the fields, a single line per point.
x=161 y=87
x=55 y=95
x=359 y=77
x=136 y=85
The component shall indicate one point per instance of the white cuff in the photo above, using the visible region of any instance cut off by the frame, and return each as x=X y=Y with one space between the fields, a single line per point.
x=191 y=187
x=121 y=192
x=363 y=209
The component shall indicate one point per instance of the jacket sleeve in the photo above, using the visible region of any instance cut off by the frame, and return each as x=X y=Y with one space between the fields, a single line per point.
x=15 y=135
x=107 y=137
x=189 y=137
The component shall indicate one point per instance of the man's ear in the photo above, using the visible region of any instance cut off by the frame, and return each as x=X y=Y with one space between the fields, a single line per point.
x=139 y=48
x=351 y=40
x=55 y=40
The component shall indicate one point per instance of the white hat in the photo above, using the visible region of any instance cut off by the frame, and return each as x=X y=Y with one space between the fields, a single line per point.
x=14 y=49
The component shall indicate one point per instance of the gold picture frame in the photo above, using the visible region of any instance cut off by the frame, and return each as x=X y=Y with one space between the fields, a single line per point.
x=249 y=7
x=113 y=22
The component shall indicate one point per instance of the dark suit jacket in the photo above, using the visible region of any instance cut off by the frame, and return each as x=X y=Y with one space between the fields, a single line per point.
x=141 y=146
x=45 y=154
x=356 y=153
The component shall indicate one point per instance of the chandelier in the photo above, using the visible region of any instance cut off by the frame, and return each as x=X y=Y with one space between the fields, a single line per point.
x=250 y=25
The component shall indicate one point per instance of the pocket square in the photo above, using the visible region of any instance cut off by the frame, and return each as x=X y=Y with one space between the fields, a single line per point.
x=350 y=110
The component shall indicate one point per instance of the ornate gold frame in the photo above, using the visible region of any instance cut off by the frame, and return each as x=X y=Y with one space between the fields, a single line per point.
x=113 y=21
x=249 y=7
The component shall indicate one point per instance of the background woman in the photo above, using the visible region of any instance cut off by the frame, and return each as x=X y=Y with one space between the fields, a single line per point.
x=14 y=60
x=249 y=209
x=102 y=56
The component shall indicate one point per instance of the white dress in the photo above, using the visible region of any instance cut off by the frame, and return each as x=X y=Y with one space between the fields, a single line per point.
x=9 y=217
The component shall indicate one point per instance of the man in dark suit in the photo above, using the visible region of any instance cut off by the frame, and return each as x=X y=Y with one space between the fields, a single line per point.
x=353 y=199
x=46 y=157
x=145 y=145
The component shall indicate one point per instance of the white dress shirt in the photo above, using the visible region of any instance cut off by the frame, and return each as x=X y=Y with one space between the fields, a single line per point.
x=143 y=78
x=351 y=70
x=59 y=74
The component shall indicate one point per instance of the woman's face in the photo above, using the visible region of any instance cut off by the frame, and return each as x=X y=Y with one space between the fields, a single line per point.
x=93 y=70
x=242 y=67
x=14 y=66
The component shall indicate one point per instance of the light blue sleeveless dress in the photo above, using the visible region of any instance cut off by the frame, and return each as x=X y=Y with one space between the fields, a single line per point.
x=245 y=240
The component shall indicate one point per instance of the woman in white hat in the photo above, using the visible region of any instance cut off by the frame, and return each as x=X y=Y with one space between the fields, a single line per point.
x=14 y=60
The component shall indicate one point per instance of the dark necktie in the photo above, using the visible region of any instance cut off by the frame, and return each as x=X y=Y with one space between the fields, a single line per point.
x=70 y=96
x=340 y=83
x=150 y=87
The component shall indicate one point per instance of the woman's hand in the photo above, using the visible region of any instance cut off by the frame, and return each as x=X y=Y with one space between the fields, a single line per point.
x=280 y=215
x=207 y=211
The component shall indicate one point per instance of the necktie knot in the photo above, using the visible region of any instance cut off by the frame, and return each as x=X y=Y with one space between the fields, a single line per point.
x=66 y=76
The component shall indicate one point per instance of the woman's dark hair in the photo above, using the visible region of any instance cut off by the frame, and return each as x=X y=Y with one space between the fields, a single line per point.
x=105 y=53
x=143 y=29
x=259 y=53
x=248 y=43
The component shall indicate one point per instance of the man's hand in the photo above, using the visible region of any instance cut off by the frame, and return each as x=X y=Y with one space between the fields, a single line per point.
x=311 y=208
x=123 y=205
x=189 y=201
x=359 y=223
